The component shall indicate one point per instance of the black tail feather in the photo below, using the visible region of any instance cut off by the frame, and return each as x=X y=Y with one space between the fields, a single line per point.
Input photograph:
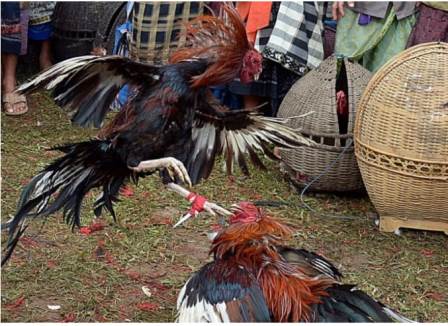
x=64 y=184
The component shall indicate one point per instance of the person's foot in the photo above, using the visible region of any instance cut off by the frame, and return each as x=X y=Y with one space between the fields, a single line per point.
x=14 y=104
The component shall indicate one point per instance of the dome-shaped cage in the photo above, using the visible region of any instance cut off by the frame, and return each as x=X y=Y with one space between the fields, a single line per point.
x=401 y=139
x=327 y=123
x=79 y=26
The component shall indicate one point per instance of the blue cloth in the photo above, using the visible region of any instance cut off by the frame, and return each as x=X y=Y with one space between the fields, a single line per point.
x=11 y=28
x=120 y=42
x=41 y=32
x=121 y=47
x=330 y=22
x=226 y=97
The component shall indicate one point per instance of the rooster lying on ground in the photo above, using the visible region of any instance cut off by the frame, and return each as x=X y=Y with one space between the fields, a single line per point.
x=254 y=278
x=172 y=123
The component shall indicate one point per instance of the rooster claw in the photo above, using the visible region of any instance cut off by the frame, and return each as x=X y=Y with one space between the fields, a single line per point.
x=215 y=209
x=173 y=166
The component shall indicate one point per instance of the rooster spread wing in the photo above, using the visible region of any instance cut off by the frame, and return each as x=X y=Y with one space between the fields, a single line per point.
x=222 y=291
x=234 y=134
x=86 y=86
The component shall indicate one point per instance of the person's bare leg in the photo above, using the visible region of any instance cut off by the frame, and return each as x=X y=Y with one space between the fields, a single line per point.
x=12 y=103
x=9 y=65
x=45 y=55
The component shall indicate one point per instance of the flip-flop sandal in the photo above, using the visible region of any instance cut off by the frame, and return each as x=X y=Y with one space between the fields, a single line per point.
x=11 y=100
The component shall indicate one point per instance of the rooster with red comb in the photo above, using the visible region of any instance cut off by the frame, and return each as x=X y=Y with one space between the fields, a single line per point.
x=254 y=277
x=171 y=124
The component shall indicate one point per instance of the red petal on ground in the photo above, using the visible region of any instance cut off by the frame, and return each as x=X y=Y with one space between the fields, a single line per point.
x=158 y=286
x=348 y=242
x=99 y=317
x=147 y=306
x=16 y=304
x=51 y=264
x=133 y=275
x=69 y=318
x=426 y=252
x=111 y=260
x=28 y=242
x=166 y=221
x=436 y=296
x=91 y=228
x=24 y=182
x=96 y=227
x=127 y=191
x=85 y=230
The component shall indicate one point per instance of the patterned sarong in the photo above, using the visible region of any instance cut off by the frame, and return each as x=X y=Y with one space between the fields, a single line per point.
x=14 y=28
x=156 y=27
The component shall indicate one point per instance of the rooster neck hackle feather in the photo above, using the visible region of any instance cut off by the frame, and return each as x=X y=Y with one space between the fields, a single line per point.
x=253 y=245
x=221 y=40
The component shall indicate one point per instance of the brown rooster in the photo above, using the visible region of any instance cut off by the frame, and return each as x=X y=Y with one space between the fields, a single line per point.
x=171 y=123
x=255 y=278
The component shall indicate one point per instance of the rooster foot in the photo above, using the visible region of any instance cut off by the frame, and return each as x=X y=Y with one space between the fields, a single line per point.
x=171 y=164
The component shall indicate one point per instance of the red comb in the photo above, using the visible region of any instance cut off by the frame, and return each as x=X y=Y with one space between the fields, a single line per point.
x=247 y=213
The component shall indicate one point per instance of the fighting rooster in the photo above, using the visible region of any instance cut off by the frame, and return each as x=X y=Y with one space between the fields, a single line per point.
x=255 y=278
x=171 y=124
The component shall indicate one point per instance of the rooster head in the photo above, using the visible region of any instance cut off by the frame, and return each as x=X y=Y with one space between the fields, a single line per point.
x=222 y=42
x=252 y=66
x=245 y=212
x=248 y=225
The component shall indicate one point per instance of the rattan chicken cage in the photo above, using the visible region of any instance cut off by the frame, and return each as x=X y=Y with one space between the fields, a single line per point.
x=401 y=139
x=80 y=25
x=315 y=95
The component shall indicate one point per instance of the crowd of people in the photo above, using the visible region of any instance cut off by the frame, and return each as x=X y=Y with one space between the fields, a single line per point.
x=292 y=36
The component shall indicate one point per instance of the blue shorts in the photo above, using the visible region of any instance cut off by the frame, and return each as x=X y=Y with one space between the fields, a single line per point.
x=40 y=32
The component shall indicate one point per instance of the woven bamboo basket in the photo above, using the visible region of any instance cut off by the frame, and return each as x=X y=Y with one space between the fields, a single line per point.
x=80 y=26
x=401 y=139
x=316 y=92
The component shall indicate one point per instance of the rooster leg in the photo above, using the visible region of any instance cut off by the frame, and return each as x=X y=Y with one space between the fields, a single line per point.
x=210 y=207
x=172 y=165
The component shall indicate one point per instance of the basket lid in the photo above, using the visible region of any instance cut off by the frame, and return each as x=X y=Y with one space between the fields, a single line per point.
x=403 y=112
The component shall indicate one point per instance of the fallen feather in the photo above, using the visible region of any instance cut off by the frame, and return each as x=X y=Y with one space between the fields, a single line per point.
x=146 y=291
x=54 y=307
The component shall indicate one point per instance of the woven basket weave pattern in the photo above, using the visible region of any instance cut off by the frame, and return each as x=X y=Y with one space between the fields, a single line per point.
x=316 y=92
x=401 y=134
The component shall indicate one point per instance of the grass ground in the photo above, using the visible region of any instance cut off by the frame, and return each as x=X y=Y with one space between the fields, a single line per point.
x=99 y=277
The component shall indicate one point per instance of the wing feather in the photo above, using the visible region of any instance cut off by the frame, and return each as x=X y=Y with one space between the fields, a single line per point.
x=222 y=291
x=242 y=134
x=310 y=262
x=86 y=86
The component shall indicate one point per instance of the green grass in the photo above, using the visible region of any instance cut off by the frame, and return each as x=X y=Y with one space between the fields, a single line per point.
x=102 y=282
